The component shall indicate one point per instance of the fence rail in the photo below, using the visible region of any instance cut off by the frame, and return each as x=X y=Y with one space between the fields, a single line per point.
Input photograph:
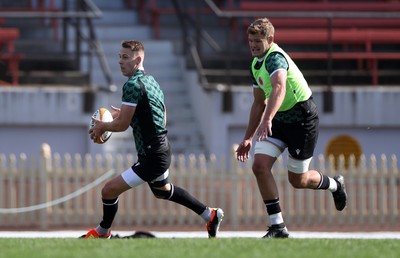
x=64 y=191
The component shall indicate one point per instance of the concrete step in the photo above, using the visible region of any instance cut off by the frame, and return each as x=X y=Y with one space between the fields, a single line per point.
x=174 y=87
x=162 y=61
x=33 y=46
x=168 y=75
x=167 y=62
x=154 y=47
x=176 y=114
x=72 y=78
x=116 y=33
x=48 y=62
x=116 y=17
x=182 y=129
x=177 y=101
x=167 y=83
x=107 y=4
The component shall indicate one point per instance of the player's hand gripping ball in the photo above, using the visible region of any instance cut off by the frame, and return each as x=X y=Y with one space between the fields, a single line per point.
x=103 y=115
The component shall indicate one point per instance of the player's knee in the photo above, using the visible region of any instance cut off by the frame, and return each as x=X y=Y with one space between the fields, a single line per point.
x=108 y=191
x=261 y=168
x=296 y=182
x=258 y=169
x=162 y=193
x=297 y=166
x=265 y=156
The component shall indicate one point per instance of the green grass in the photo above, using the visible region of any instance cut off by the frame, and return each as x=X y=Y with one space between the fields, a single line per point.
x=196 y=247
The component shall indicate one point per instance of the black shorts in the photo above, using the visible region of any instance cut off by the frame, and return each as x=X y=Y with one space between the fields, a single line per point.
x=156 y=161
x=299 y=136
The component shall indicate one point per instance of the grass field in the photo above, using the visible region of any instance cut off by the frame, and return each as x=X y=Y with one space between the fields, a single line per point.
x=199 y=247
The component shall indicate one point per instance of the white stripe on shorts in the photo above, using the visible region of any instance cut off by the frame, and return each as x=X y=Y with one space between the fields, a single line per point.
x=133 y=180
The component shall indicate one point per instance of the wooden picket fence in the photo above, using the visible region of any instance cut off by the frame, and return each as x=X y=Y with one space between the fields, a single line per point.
x=49 y=192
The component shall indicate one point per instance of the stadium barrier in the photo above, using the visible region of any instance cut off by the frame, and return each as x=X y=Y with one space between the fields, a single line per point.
x=64 y=191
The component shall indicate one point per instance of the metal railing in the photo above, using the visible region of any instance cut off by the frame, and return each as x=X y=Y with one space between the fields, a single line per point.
x=72 y=14
x=194 y=40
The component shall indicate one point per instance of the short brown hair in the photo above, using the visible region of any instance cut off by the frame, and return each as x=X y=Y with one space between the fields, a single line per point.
x=134 y=45
x=261 y=26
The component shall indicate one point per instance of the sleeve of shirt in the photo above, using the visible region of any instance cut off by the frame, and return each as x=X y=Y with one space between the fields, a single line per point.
x=131 y=94
x=276 y=61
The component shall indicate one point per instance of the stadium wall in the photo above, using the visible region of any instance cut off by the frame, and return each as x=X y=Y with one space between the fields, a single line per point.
x=367 y=114
x=31 y=116
x=55 y=115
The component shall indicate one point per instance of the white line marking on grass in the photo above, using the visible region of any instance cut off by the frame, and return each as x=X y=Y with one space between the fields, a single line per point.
x=203 y=234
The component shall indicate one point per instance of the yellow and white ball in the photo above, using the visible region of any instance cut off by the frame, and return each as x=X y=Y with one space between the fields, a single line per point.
x=103 y=115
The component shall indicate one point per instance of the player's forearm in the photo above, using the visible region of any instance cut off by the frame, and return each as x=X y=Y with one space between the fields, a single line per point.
x=274 y=102
x=115 y=126
x=256 y=114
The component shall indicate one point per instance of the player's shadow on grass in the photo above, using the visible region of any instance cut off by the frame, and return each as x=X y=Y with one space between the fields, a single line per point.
x=137 y=234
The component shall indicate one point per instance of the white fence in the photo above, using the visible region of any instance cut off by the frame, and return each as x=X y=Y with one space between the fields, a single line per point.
x=64 y=191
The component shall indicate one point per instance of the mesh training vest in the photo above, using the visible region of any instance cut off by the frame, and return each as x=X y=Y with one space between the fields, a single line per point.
x=297 y=88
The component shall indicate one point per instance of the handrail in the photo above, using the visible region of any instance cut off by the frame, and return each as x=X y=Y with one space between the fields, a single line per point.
x=93 y=12
x=90 y=11
x=300 y=14
x=329 y=15
x=187 y=39
x=47 y=14
x=99 y=50
x=197 y=53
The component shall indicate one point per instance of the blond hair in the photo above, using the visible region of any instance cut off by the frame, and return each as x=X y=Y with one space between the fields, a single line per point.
x=261 y=26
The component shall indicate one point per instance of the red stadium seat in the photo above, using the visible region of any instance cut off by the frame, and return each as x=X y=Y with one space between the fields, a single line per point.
x=7 y=52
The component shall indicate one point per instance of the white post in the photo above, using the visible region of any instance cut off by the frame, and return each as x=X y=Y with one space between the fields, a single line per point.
x=45 y=169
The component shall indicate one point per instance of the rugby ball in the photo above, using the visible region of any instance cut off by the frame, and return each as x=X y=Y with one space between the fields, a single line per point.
x=103 y=115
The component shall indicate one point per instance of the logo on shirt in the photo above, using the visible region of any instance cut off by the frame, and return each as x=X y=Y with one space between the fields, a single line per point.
x=260 y=81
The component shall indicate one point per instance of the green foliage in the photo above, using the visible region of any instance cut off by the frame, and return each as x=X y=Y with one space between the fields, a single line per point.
x=198 y=247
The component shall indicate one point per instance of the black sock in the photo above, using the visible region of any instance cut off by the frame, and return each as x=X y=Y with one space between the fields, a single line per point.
x=324 y=183
x=182 y=197
x=274 y=212
x=110 y=208
x=272 y=206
